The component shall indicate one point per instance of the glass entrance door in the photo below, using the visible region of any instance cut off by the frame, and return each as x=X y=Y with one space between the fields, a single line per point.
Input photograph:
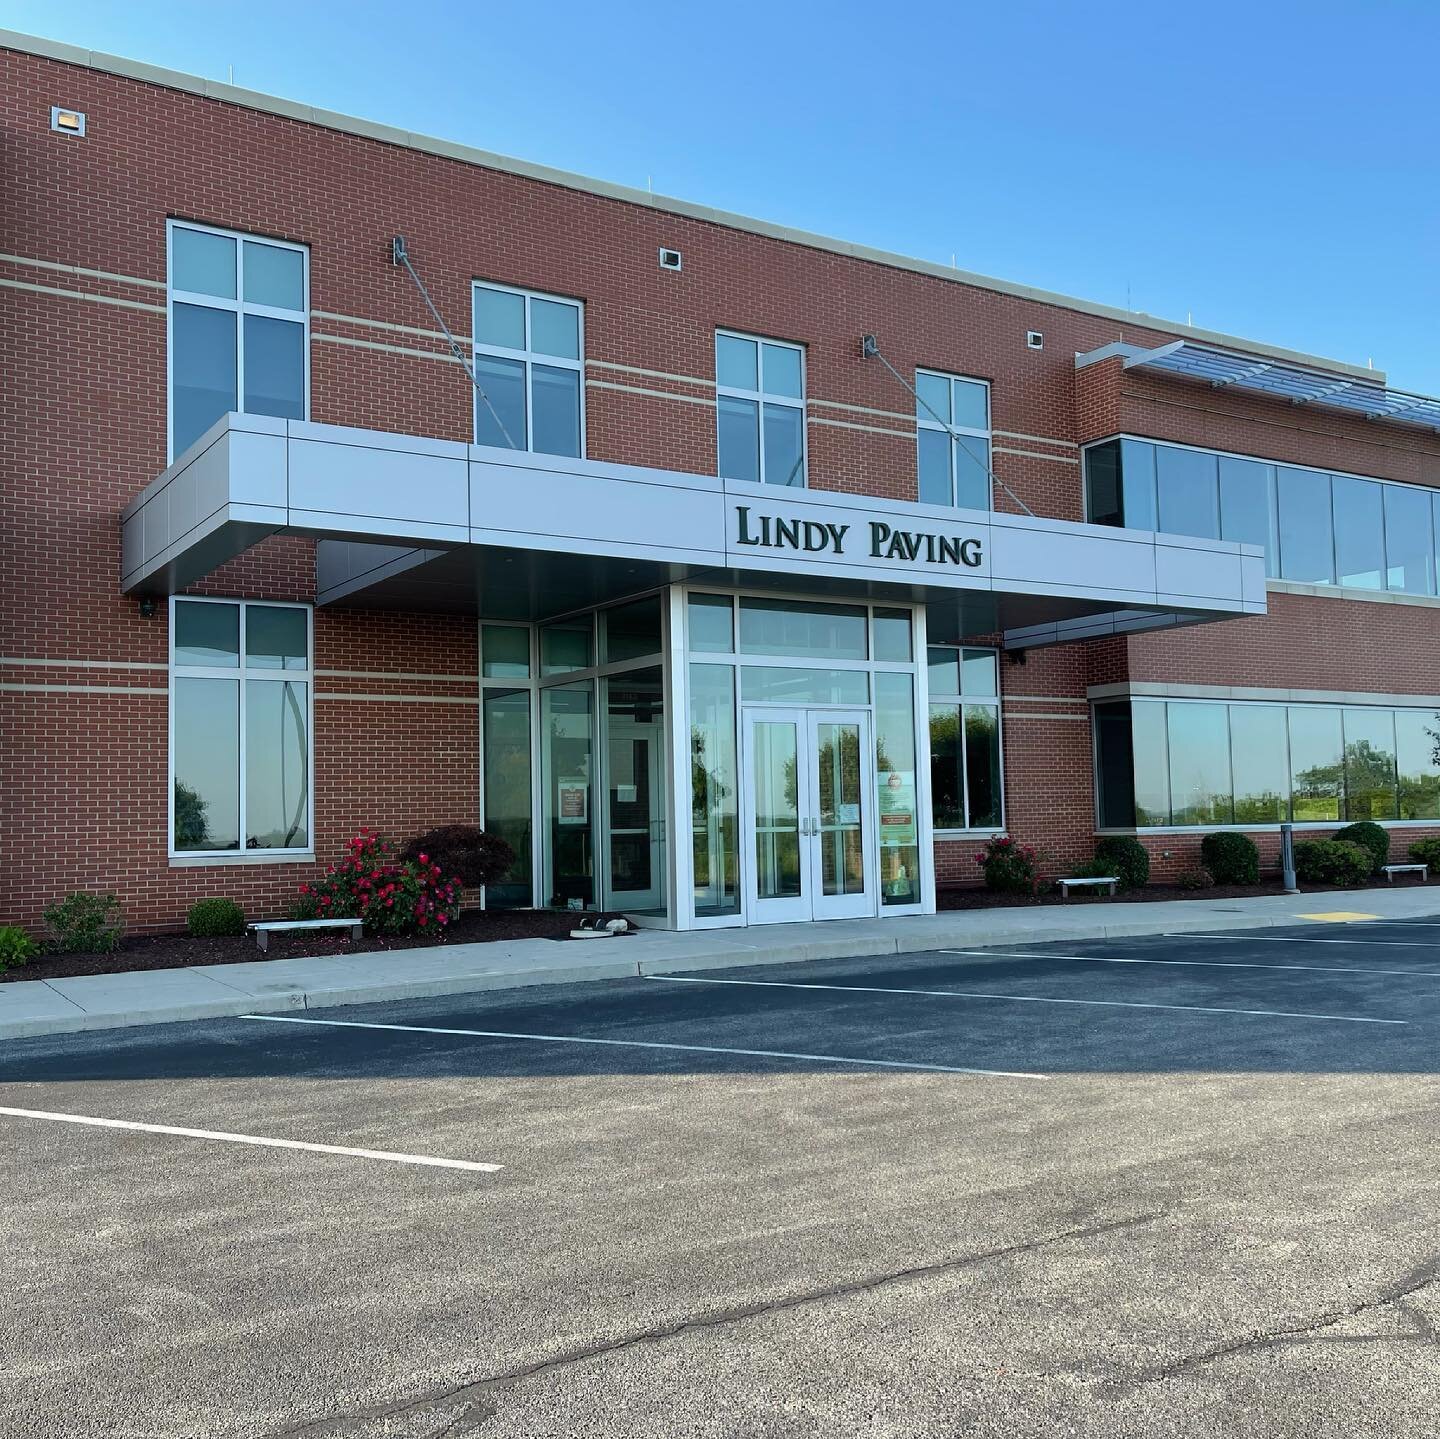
x=808 y=815
x=636 y=816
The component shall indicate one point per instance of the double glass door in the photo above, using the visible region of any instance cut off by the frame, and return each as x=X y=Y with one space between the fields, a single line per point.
x=809 y=814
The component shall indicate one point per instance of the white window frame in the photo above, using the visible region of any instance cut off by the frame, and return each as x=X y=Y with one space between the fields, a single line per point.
x=241 y=673
x=924 y=420
x=762 y=397
x=528 y=357
x=960 y=700
x=239 y=307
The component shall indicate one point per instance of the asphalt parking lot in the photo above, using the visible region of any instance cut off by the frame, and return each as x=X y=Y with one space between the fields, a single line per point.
x=1170 y=1186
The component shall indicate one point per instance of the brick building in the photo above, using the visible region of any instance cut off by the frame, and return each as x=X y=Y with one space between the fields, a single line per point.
x=716 y=609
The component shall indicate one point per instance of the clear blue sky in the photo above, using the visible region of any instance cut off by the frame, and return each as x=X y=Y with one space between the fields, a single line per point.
x=1269 y=168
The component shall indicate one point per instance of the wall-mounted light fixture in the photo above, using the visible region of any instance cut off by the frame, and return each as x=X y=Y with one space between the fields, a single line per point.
x=147 y=608
x=67 y=121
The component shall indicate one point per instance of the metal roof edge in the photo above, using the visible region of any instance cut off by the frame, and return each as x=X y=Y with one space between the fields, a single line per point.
x=387 y=134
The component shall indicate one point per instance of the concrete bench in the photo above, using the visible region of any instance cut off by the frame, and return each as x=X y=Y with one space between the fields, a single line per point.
x=1391 y=870
x=1066 y=885
x=266 y=928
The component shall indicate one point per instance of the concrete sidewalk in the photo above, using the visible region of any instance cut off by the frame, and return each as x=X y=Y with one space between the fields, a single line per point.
x=160 y=996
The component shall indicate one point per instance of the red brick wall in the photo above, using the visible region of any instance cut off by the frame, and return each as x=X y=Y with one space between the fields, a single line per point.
x=82 y=430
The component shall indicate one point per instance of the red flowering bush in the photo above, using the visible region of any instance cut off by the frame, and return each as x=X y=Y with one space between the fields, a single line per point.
x=1009 y=867
x=392 y=895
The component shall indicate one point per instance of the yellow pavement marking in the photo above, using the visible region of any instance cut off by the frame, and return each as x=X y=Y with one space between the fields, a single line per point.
x=1338 y=916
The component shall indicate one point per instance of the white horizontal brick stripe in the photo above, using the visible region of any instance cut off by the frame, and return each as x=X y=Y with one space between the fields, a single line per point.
x=86 y=664
x=1035 y=439
x=652 y=374
x=443 y=355
x=80 y=690
x=83 y=270
x=869 y=429
x=82 y=295
x=1037 y=455
x=707 y=400
x=398 y=699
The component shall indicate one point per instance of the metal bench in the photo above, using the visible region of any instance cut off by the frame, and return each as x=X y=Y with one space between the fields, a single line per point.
x=266 y=928
x=1391 y=870
x=1066 y=885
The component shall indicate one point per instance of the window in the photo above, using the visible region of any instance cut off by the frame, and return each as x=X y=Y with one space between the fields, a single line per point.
x=240 y=725
x=1316 y=528
x=1198 y=763
x=952 y=418
x=239 y=329
x=760 y=399
x=529 y=359
x=965 y=773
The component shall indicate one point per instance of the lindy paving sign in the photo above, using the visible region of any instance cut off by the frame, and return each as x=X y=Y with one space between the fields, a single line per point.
x=874 y=539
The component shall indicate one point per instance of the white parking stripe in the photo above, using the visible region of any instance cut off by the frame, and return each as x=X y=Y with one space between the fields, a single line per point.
x=1303 y=939
x=1197 y=963
x=1021 y=998
x=251 y=1139
x=651 y=1044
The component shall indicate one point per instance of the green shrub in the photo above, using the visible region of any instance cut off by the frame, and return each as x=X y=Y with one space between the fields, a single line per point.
x=1009 y=867
x=1195 y=879
x=209 y=917
x=15 y=947
x=1232 y=858
x=85 y=923
x=1426 y=851
x=1331 y=861
x=1369 y=836
x=1127 y=859
x=1093 y=869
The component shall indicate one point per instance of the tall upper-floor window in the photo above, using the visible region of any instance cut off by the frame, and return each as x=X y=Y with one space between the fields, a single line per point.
x=240 y=727
x=529 y=361
x=952 y=418
x=239 y=329
x=1317 y=528
x=760 y=401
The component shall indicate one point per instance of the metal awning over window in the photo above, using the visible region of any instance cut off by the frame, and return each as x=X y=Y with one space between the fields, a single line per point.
x=1279 y=379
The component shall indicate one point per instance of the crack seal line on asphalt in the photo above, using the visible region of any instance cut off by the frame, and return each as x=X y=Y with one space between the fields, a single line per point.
x=650 y=1044
x=473 y=1394
x=260 y=1140
x=1023 y=998
x=1311 y=1332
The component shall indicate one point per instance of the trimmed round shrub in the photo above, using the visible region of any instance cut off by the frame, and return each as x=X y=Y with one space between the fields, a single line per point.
x=1426 y=851
x=210 y=917
x=1369 y=836
x=1195 y=879
x=1127 y=859
x=83 y=923
x=1232 y=858
x=1331 y=861
x=464 y=851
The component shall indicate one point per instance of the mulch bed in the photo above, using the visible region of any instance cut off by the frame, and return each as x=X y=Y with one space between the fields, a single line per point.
x=175 y=951
x=977 y=897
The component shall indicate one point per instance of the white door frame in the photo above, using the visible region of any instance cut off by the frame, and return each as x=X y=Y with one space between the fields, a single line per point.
x=810 y=903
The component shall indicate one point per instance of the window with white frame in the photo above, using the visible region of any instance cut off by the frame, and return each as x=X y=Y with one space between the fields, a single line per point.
x=760 y=400
x=952 y=416
x=240 y=727
x=966 y=789
x=529 y=361
x=239 y=329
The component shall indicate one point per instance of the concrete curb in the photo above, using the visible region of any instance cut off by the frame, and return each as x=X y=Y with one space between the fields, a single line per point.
x=34 y=1008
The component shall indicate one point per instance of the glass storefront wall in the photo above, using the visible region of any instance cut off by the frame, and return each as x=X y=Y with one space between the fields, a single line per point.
x=750 y=652
x=1317 y=528
x=1201 y=764
x=579 y=753
x=573 y=759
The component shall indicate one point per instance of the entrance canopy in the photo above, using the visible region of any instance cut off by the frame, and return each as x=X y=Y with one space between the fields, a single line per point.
x=430 y=524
